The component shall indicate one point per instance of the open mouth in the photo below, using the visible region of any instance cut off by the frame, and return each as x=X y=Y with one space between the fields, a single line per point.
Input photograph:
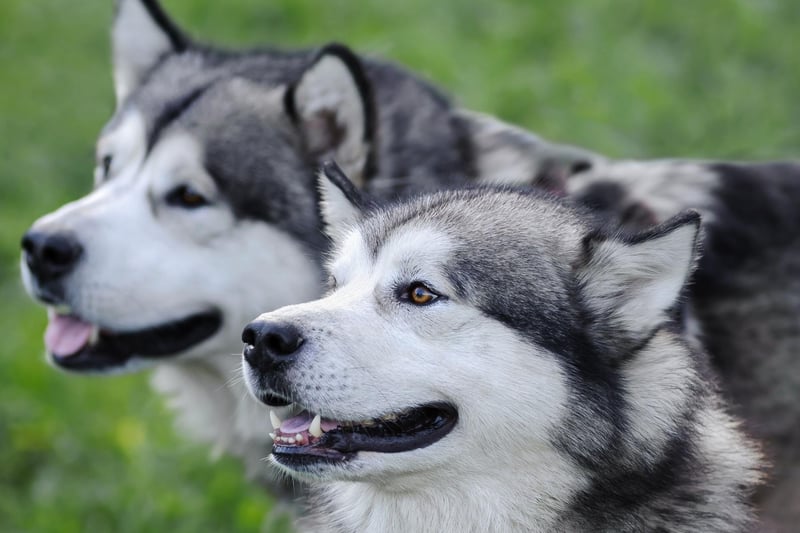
x=306 y=439
x=77 y=345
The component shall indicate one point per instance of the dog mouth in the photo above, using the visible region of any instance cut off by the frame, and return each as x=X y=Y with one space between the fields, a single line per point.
x=77 y=345
x=307 y=440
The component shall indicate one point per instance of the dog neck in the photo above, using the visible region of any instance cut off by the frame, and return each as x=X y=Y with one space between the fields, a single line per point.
x=518 y=499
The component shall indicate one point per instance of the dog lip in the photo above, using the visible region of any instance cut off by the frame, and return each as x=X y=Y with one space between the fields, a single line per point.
x=413 y=429
x=273 y=399
x=113 y=349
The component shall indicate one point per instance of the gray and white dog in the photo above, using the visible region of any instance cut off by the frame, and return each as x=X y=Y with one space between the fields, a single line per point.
x=744 y=302
x=491 y=360
x=204 y=210
x=210 y=151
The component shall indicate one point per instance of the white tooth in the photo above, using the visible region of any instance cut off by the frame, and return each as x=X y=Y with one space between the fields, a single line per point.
x=290 y=440
x=276 y=422
x=298 y=437
x=272 y=436
x=315 y=428
x=95 y=336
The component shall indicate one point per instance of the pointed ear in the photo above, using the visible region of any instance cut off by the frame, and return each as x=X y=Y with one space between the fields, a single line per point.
x=635 y=282
x=332 y=105
x=140 y=36
x=341 y=202
x=525 y=158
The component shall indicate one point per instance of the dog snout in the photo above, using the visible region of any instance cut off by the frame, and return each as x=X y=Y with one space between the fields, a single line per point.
x=271 y=345
x=50 y=256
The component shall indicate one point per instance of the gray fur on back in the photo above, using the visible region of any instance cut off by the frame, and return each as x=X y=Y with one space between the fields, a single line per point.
x=744 y=302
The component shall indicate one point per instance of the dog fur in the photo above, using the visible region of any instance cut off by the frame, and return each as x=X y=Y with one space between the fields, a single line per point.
x=580 y=405
x=744 y=303
x=205 y=202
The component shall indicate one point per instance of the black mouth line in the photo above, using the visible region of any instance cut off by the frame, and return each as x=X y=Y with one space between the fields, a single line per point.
x=411 y=429
x=114 y=349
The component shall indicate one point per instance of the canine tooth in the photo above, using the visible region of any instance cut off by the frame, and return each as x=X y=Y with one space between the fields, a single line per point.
x=298 y=437
x=315 y=428
x=272 y=436
x=276 y=422
x=95 y=336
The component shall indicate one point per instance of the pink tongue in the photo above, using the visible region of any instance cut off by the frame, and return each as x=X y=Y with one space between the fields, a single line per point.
x=298 y=423
x=301 y=422
x=66 y=335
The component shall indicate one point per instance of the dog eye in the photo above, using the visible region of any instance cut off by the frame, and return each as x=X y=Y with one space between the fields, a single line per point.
x=185 y=196
x=419 y=294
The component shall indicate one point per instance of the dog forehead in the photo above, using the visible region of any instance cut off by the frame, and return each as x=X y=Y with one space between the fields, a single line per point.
x=126 y=132
x=183 y=76
x=483 y=218
x=231 y=104
x=412 y=247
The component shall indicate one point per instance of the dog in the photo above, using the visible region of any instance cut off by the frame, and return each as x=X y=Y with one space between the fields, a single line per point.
x=204 y=210
x=744 y=303
x=490 y=359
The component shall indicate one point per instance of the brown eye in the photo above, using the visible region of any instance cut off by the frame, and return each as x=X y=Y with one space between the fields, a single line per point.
x=185 y=196
x=418 y=294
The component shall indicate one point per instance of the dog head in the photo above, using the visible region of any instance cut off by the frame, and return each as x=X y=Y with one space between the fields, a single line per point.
x=203 y=210
x=457 y=330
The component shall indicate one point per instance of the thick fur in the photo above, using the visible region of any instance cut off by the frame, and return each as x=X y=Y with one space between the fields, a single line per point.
x=246 y=131
x=580 y=405
x=745 y=302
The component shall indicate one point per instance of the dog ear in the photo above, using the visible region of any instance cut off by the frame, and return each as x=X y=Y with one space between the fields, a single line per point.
x=332 y=105
x=636 y=281
x=525 y=158
x=141 y=35
x=341 y=202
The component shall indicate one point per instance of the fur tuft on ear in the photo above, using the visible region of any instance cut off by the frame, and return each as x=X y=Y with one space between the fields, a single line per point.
x=637 y=281
x=140 y=36
x=332 y=105
x=341 y=202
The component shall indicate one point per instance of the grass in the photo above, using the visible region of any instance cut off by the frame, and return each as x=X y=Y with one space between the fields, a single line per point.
x=627 y=78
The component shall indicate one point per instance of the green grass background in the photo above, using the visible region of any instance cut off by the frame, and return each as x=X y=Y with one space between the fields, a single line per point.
x=715 y=78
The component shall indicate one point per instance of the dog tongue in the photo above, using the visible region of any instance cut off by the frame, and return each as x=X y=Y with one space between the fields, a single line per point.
x=66 y=335
x=298 y=423
x=301 y=422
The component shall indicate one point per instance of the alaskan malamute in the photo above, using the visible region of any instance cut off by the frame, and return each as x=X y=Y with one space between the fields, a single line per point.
x=204 y=211
x=492 y=360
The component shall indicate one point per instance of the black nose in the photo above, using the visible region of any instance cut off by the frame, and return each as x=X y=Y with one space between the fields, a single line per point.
x=270 y=345
x=50 y=255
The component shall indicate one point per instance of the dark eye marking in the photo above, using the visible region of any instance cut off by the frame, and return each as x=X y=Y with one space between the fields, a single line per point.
x=333 y=283
x=186 y=197
x=106 y=164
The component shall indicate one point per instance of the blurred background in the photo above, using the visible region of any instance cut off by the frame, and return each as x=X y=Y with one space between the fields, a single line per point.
x=715 y=79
